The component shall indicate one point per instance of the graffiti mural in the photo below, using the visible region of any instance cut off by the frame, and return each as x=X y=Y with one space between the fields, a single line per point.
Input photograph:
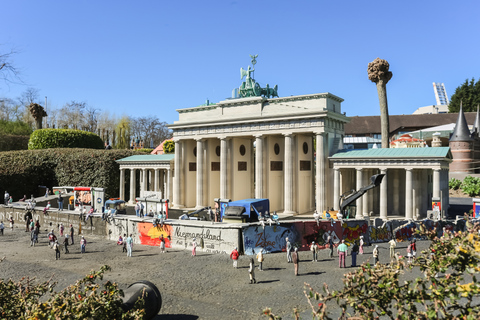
x=150 y=235
x=320 y=233
x=380 y=234
x=353 y=231
x=270 y=238
x=405 y=232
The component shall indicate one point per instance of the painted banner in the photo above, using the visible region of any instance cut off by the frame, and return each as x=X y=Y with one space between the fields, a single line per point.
x=150 y=235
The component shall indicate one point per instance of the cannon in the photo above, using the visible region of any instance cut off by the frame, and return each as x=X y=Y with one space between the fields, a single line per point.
x=153 y=299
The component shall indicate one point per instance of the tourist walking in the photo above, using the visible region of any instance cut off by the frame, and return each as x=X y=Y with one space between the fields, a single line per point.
x=162 y=243
x=61 y=228
x=251 y=271
x=32 y=225
x=354 y=254
x=362 y=243
x=71 y=234
x=414 y=248
x=33 y=237
x=56 y=247
x=393 y=244
x=194 y=247
x=409 y=252
x=124 y=243
x=83 y=244
x=330 y=246
x=129 y=242
x=60 y=201
x=314 y=249
x=260 y=259
x=37 y=225
x=27 y=217
x=6 y=197
x=1 y=227
x=289 y=250
x=342 y=251
x=234 y=256
x=11 y=221
x=137 y=209
x=375 y=255
x=296 y=260
x=65 y=244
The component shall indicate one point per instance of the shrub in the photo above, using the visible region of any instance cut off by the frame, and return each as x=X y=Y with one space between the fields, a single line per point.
x=18 y=128
x=64 y=138
x=471 y=186
x=10 y=142
x=454 y=184
x=22 y=171
x=169 y=146
x=82 y=300
x=144 y=150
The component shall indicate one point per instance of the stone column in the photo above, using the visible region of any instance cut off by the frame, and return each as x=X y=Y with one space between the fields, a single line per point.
x=122 y=183
x=359 y=214
x=320 y=191
x=167 y=188
x=408 y=194
x=156 y=180
x=144 y=182
x=259 y=167
x=161 y=182
x=436 y=183
x=177 y=185
x=132 y=186
x=223 y=168
x=200 y=175
x=336 y=188
x=384 y=195
x=289 y=157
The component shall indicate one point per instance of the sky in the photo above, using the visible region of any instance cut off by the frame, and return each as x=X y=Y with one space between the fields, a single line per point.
x=145 y=57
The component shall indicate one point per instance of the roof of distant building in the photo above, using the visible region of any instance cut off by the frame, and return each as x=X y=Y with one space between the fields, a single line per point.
x=406 y=122
x=439 y=152
x=148 y=158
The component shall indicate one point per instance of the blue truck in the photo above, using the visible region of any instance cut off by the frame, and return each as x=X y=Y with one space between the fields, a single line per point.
x=247 y=210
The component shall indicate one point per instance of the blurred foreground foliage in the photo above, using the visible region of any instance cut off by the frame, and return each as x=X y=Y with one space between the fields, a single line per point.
x=85 y=299
x=448 y=290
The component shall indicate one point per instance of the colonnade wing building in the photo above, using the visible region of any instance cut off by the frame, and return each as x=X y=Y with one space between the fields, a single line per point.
x=257 y=147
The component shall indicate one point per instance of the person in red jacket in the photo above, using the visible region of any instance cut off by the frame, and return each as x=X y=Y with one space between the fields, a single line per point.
x=234 y=255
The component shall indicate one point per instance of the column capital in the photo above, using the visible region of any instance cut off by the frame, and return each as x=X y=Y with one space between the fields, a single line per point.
x=319 y=133
x=199 y=139
x=359 y=169
x=408 y=169
x=259 y=136
x=288 y=134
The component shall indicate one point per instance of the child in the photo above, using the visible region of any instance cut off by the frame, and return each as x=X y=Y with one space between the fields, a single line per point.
x=251 y=272
x=11 y=222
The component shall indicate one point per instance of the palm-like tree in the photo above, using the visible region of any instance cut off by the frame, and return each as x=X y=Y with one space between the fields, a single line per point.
x=378 y=72
x=37 y=112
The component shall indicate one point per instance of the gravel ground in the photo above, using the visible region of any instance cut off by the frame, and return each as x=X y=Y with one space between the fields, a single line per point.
x=201 y=287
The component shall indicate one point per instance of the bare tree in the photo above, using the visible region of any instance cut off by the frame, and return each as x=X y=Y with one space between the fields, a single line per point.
x=150 y=129
x=8 y=72
x=378 y=72
x=73 y=116
x=9 y=110
x=29 y=96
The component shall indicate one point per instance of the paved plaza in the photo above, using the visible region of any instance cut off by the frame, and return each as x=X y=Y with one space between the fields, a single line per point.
x=201 y=287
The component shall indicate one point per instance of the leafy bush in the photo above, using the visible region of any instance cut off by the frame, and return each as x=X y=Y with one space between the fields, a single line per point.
x=145 y=150
x=18 y=128
x=471 y=186
x=21 y=172
x=454 y=184
x=169 y=146
x=64 y=138
x=82 y=300
x=448 y=290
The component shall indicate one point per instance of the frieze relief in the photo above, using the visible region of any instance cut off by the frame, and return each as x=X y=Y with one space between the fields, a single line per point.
x=256 y=127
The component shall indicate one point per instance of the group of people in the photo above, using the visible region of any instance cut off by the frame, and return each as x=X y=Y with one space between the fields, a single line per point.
x=68 y=239
x=126 y=243
x=267 y=218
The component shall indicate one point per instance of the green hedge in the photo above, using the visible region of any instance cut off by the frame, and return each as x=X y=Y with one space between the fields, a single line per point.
x=10 y=142
x=21 y=172
x=64 y=138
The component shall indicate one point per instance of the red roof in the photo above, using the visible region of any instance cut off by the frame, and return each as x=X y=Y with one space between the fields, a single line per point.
x=159 y=149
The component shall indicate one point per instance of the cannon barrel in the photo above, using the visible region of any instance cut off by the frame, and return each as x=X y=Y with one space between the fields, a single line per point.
x=153 y=299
